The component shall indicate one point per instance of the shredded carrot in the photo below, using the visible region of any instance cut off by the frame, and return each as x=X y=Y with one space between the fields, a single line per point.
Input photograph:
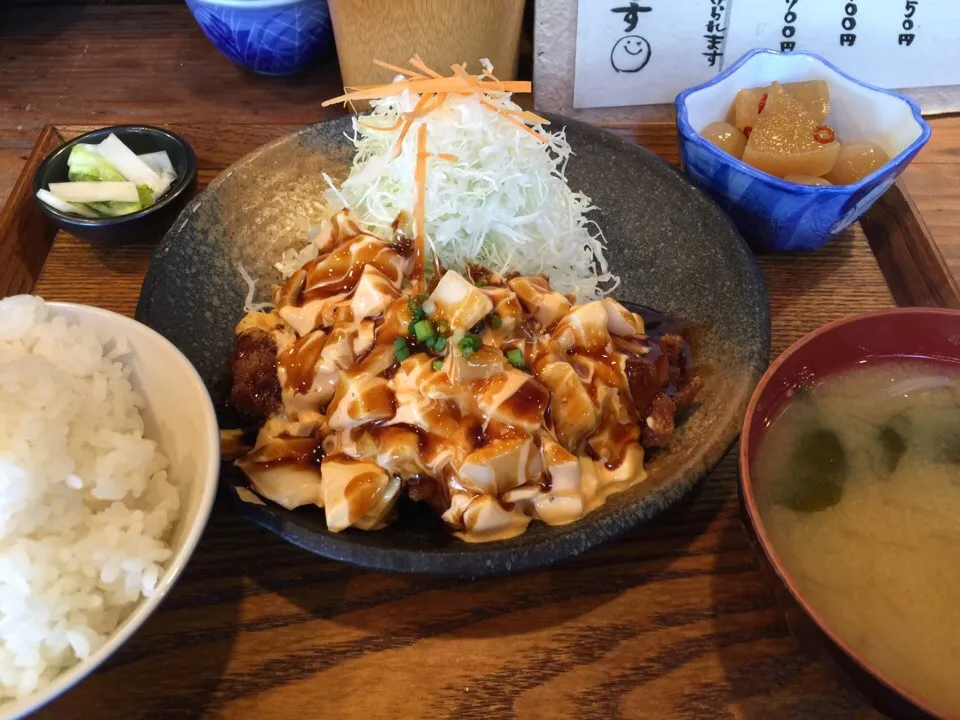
x=422 y=108
x=419 y=206
x=449 y=157
x=397 y=69
x=461 y=72
x=408 y=122
x=416 y=62
x=516 y=121
x=490 y=76
x=453 y=85
x=431 y=85
x=438 y=100
x=528 y=116
x=519 y=114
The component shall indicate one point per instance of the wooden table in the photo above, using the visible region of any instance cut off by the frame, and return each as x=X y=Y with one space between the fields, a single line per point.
x=99 y=64
x=674 y=621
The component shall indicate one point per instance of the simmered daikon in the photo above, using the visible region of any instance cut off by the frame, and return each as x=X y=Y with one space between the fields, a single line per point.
x=726 y=137
x=856 y=161
x=782 y=130
x=813 y=95
x=806 y=179
x=788 y=139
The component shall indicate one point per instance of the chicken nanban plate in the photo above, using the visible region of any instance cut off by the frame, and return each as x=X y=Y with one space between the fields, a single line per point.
x=494 y=399
x=421 y=358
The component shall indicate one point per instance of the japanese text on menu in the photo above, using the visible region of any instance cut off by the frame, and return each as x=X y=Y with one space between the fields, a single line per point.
x=639 y=53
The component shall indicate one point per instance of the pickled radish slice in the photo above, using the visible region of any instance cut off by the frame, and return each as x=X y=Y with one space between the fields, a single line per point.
x=783 y=141
x=805 y=179
x=726 y=137
x=813 y=95
x=856 y=161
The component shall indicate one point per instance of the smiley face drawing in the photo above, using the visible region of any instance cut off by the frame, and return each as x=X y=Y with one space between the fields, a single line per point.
x=630 y=54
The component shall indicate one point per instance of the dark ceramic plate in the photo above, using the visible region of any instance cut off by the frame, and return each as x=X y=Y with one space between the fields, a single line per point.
x=673 y=249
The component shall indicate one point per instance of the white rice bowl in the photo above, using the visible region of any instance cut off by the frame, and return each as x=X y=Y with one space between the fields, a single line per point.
x=89 y=502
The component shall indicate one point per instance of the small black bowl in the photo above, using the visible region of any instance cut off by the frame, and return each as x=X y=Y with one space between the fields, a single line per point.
x=146 y=224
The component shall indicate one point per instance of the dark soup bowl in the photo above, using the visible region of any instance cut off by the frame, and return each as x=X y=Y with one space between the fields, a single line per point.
x=147 y=224
x=814 y=512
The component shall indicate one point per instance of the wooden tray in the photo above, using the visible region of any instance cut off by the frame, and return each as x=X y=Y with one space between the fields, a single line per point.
x=673 y=621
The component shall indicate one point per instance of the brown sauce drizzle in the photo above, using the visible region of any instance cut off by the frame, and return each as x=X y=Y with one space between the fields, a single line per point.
x=292 y=291
x=653 y=366
x=646 y=376
x=340 y=271
x=299 y=361
x=305 y=451
x=619 y=437
x=363 y=493
x=398 y=232
x=508 y=506
x=528 y=403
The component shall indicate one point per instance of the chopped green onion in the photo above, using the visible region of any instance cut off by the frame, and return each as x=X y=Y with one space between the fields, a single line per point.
x=399 y=343
x=494 y=321
x=470 y=344
x=480 y=283
x=515 y=358
x=438 y=365
x=439 y=343
x=423 y=330
x=413 y=304
x=443 y=327
x=402 y=354
x=431 y=342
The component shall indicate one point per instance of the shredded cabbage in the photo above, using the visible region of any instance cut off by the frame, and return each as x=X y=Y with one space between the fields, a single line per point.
x=497 y=196
x=248 y=302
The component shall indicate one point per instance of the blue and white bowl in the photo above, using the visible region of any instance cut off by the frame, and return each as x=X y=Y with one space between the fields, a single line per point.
x=271 y=37
x=779 y=214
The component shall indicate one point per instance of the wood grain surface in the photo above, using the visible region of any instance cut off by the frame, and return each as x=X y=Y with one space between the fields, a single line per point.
x=25 y=232
x=911 y=262
x=143 y=61
x=140 y=61
x=675 y=621
x=442 y=32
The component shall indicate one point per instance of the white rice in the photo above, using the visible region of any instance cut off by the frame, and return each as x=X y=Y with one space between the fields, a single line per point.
x=85 y=502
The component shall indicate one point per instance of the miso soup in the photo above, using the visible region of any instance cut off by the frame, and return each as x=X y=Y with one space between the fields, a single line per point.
x=858 y=486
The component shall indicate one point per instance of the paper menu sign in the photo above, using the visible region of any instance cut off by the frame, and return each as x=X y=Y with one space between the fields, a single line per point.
x=643 y=52
x=891 y=43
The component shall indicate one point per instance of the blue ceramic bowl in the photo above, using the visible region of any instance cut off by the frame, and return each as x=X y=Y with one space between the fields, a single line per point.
x=271 y=37
x=783 y=215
